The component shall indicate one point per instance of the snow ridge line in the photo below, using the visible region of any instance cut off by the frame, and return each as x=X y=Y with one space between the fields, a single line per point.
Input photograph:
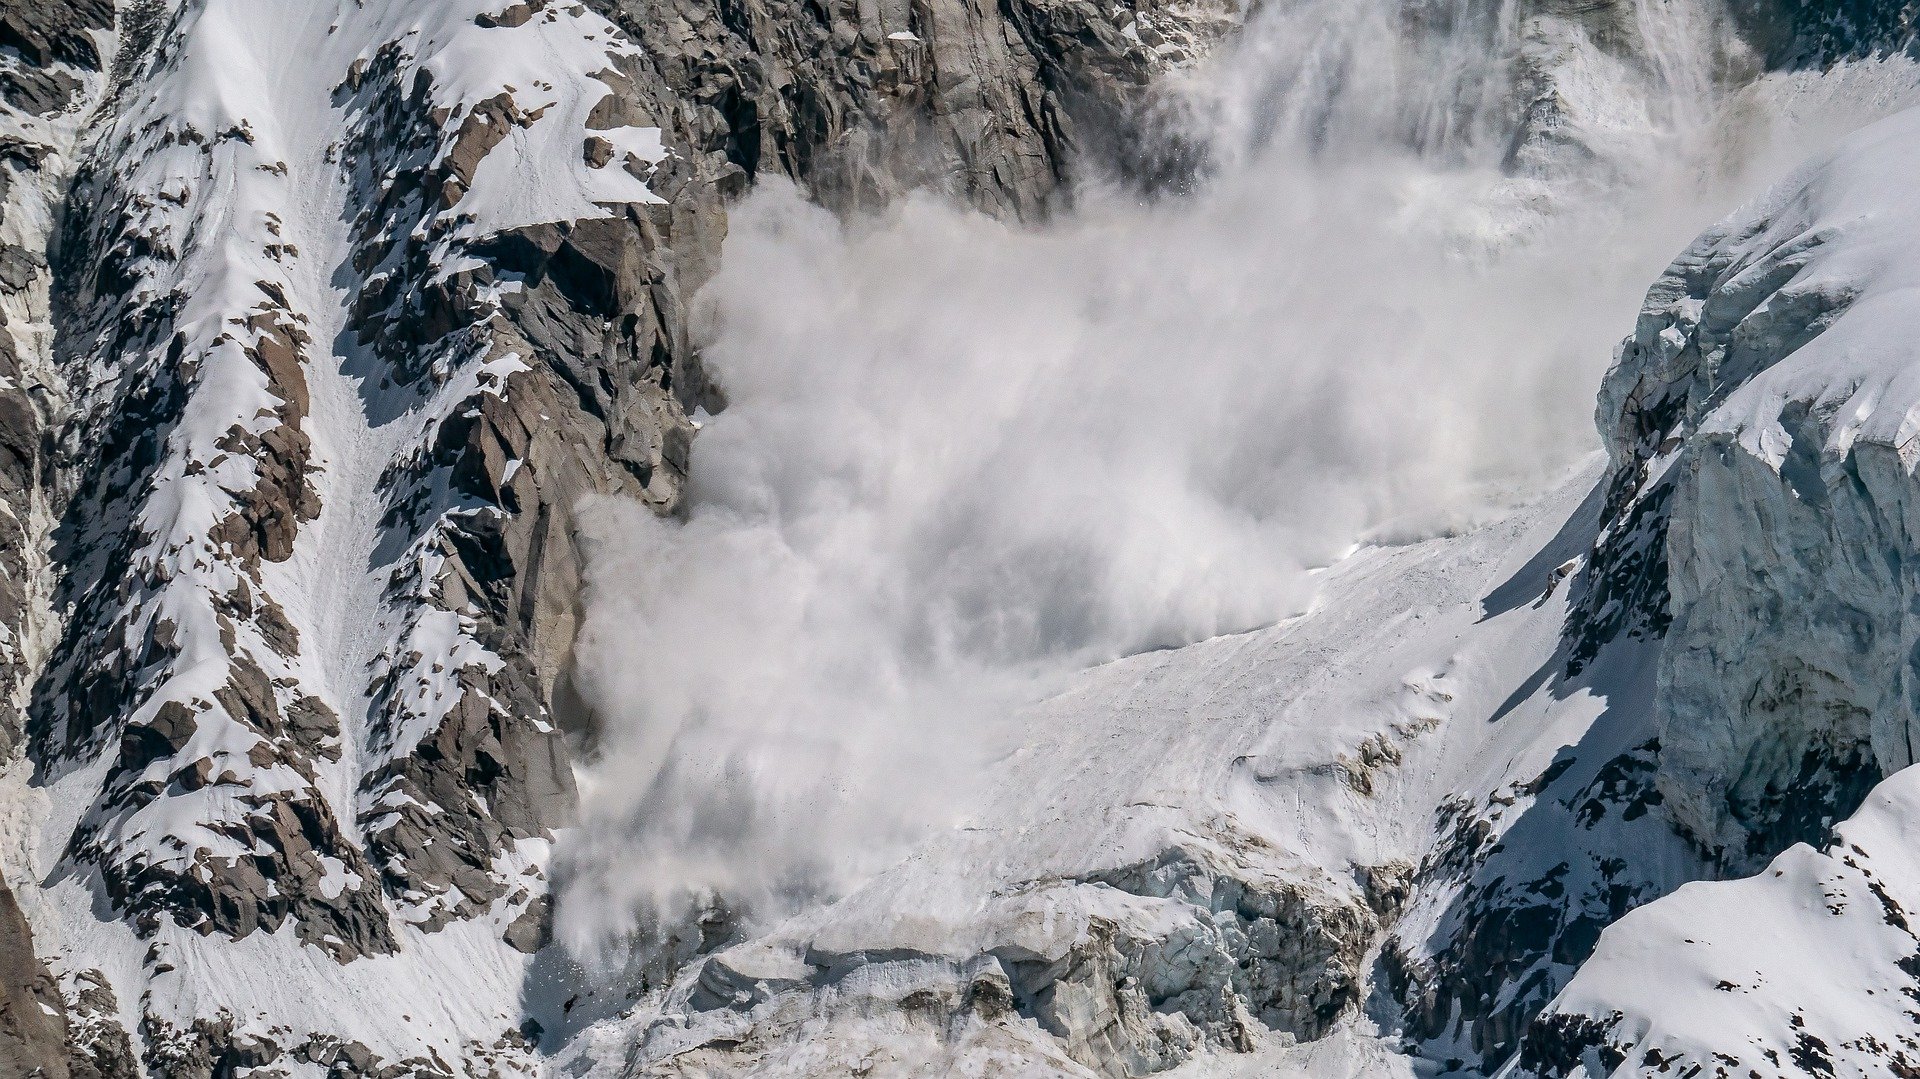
x=278 y=712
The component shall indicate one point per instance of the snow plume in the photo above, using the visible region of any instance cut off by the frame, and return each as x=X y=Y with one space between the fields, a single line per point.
x=963 y=459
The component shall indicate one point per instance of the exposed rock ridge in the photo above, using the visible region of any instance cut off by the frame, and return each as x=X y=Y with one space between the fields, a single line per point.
x=1750 y=548
x=187 y=469
x=1779 y=528
x=993 y=104
x=1812 y=35
x=33 y=1019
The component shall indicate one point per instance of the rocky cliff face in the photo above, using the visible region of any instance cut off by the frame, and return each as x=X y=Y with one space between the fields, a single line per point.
x=1804 y=34
x=993 y=104
x=55 y=68
x=33 y=1028
x=55 y=72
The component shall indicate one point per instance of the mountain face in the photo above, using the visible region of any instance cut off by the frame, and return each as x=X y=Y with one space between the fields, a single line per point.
x=310 y=365
x=1761 y=400
x=326 y=320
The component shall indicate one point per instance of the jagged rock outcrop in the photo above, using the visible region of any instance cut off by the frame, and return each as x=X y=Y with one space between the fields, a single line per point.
x=98 y=1047
x=1748 y=548
x=993 y=104
x=1802 y=35
x=1779 y=476
x=33 y=1026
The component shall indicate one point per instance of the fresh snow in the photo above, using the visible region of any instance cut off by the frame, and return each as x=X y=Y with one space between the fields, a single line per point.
x=268 y=202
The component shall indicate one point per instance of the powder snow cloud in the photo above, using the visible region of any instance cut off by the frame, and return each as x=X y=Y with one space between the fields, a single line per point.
x=963 y=459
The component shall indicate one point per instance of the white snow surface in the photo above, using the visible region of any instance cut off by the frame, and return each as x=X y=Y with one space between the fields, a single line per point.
x=1805 y=961
x=1807 y=967
x=1851 y=211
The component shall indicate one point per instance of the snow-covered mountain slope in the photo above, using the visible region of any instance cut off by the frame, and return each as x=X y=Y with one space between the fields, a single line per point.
x=326 y=322
x=54 y=64
x=1767 y=399
x=271 y=716
x=350 y=305
x=1803 y=969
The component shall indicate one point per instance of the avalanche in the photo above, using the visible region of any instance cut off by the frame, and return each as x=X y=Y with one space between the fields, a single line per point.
x=1144 y=597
